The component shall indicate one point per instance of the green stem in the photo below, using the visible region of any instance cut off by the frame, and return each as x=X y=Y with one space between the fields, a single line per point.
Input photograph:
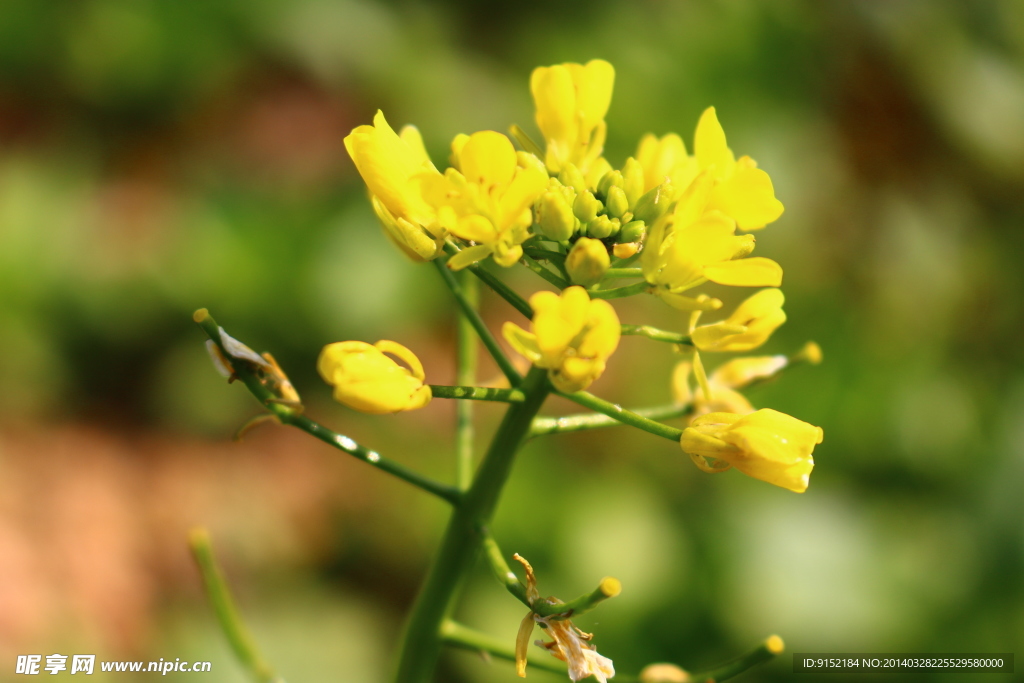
x=617 y=412
x=608 y=588
x=239 y=637
x=543 y=426
x=465 y=374
x=500 y=288
x=463 y=537
x=457 y=635
x=477 y=393
x=371 y=457
x=769 y=649
x=289 y=415
x=469 y=311
x=619 y=292
x=656 y=334
x=614 y=273
x=545 y=273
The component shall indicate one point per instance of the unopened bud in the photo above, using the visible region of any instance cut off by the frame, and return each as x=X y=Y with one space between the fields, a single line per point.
x=654 y=204
x=554 y=216
x=570 y=176
x=602 y=227
x=664 y=673
x=587 y=206
x=617 y=204
x=611 y=179
x=633 y=180
x=632 y=232
x=587 y=261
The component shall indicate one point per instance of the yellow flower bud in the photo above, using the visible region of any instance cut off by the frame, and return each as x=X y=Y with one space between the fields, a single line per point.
x=570 y=176
x=571 y=101
x=616 y=201
x=664 y=673
x=554 y=214
x=625 y=249
x=602 y=227
x=587 y=261
x=572 y=337
x=747 y=328
x=367 y=380
x=633 y=180
x=608 y=181
x=391 y=165
x=767 y=445
x=633 y=231
x=587 y=206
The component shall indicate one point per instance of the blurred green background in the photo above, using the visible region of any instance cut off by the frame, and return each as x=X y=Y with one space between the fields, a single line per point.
x=157 y=157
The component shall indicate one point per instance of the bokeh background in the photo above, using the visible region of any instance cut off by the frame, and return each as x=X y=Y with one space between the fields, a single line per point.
x=157 y=157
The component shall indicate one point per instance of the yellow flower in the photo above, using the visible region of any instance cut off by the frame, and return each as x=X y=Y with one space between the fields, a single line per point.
x=572 y=337
x=392 y=167
x=571 y=102
x=692 y=245
x=367 y=380
x=747 y=328
x=665 y=159
x=488 y=200
x=766 y=445
x=743 y=191
x=569 y=643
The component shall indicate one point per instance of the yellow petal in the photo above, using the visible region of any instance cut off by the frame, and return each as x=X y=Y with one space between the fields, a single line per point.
x=522 y=341
x=555 y=100
x=468 y=256
x=748 y=272
x=748 y=197
x=594 y=83
x=523 y=643
x=404 y=354
x=488 y=159
x=709 y=145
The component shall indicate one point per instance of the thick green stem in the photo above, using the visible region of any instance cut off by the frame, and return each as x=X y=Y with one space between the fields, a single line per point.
x=617 y=412
x=235 y=630
x=465 y=374
x=477 y=393
x=580 y=421
x=468 y=309
x=464 y=536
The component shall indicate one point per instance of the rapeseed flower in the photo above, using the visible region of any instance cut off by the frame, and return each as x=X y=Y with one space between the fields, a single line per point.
x=366 y=379
x=572 y=337
x=766 y=444
x=571 y=101
x=393 y=168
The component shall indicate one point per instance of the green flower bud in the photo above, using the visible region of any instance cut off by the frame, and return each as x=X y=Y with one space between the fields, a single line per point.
x=632 y=232
x=633 y=180
x=611 y=179
x=587 y=261
x=570 y=176
x=602 y=227
x=654 y=204
x=617 y=203
x=587 y=206
x=554 y=216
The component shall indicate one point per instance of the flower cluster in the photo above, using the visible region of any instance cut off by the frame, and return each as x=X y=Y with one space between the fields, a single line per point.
x=565 y=212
